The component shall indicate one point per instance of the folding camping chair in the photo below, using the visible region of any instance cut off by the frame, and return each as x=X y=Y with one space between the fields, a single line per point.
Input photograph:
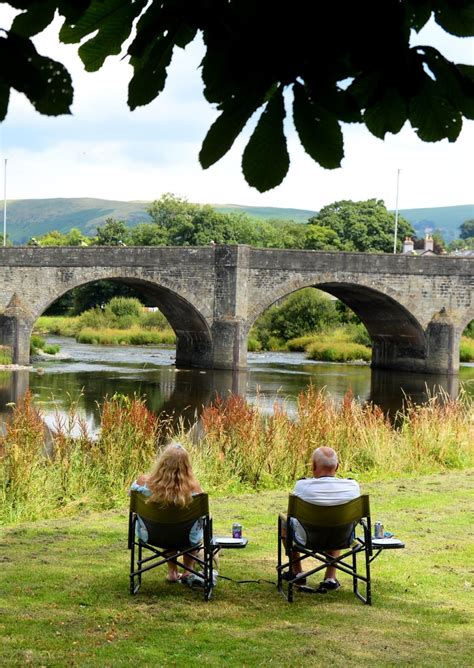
x=168 y=539
x=327 y=528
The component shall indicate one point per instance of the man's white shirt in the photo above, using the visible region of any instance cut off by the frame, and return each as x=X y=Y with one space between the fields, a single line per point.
x=324 y=491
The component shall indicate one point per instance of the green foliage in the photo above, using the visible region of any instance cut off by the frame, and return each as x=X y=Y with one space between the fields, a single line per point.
x=347 y=343
x=305 y=311
x=113 y=233
x=469 y=330
x=338 y=351
x=305 y=50
x=52 y=349
x=120 y=306
x=466 y=349
x=100 y=293
x=364 y=226
x=5 y=355
x=467 y=229
x=36 y=343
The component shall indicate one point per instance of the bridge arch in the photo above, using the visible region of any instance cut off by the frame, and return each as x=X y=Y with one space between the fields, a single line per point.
x=193 y=334
x=395 y=332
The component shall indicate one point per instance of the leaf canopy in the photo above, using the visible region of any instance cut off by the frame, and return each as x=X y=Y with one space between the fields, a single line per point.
x=343 y=63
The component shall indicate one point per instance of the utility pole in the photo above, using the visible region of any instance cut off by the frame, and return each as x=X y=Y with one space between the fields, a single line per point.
x=395 y=233
x=5 y=205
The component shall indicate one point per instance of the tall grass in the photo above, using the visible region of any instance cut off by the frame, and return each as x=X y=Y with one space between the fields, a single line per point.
x=132 y=336
x=344 y=344
x=466 y=350
x=43 y=474
x=241 y=445
x=5 y=355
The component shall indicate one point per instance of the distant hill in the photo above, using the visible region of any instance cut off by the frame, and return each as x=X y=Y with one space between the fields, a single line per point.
x=447 y=219
x=34 y=217
x=297 y=215
x=28 y=218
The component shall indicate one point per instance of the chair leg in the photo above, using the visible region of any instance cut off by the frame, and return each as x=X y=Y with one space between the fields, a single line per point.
x=134 y=588
x=369 y=581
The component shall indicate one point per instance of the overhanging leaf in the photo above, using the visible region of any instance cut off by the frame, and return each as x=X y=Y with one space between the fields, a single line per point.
x=150 y=73
x=223 y=132
x=319 y=131
x=457 y=18
x=388 y=114
x=431 y=115
x=4 y=99
x=45 y=82
x=35 y=19
x=455 y=82
x=112 y=20
x=265 y=160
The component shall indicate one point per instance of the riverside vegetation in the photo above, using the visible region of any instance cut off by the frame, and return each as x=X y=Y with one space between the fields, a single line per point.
x=63 y=518
x=46 y=474
x=306 y=321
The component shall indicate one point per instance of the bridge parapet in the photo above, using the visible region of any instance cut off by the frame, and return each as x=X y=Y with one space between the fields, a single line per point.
x=414 y=308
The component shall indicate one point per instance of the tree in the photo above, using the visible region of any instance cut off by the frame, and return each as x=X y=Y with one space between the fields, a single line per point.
x=304 y=312
x=364 y=226
x=113 y=233
x=467 y=229
x=351 y=63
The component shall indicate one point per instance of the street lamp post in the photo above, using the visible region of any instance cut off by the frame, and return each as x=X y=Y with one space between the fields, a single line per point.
x=5 y=205
x=395 y=232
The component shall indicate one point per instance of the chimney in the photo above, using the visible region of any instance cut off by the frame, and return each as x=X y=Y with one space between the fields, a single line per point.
x=429 y=243
x=408 y=245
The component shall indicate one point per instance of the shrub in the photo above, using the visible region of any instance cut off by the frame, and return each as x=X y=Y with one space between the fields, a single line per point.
x=36 y=343
x=253 y=344
x=338 y=351
x=52 y=349
x=124 y=306
x=5 y=355
x=466 y=351
x=153 y=320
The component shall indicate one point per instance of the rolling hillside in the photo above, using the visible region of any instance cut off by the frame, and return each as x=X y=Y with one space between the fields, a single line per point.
x=34 y=217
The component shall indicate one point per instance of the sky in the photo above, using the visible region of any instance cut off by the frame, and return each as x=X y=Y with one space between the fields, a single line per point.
x=103 y=150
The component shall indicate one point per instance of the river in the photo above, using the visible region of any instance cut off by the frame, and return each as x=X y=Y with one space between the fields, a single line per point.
x=89 y=373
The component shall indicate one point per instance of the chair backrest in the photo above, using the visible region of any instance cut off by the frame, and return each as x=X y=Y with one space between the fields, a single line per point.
x=329 y=527
x=169 y=526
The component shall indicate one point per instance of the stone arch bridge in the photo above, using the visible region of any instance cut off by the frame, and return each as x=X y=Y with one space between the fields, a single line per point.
x=415 y=308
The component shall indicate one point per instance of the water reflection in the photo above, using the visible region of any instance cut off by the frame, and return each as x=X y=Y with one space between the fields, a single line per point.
x=92 y=372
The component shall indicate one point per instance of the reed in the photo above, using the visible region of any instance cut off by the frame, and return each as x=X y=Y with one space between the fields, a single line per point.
x=45 y=474
x=5 y=355
x=466 y=349
x=131 y=336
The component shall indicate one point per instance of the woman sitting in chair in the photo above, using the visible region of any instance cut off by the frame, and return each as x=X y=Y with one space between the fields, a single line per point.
x=171 y=482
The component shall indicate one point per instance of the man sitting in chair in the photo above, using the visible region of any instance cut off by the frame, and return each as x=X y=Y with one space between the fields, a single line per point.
x=323 y=489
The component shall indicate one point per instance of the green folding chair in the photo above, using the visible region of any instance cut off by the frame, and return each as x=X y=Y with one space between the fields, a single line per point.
x=168 y=539
x=327 y=528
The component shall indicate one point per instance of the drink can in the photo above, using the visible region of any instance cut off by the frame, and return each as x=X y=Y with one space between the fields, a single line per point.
x=236 y=530
x=378 y=530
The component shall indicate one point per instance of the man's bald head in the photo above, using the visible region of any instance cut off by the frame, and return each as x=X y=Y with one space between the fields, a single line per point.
x=324 y=461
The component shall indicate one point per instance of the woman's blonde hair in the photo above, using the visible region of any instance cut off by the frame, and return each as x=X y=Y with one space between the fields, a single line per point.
x=171 y=480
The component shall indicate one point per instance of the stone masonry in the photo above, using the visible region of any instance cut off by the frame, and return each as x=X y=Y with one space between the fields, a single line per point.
x=415 y=308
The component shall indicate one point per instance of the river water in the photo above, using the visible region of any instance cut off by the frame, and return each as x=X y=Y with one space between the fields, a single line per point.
x=89 y=373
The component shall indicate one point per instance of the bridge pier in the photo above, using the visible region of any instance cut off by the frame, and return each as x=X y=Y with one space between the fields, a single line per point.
x=15 y=331
x=438 y=353
x=229 y=344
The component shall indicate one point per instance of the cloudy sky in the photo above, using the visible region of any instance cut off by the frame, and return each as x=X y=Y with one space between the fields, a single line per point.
x=103 y=150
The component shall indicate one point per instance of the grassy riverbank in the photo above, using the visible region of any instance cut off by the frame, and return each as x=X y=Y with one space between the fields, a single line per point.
x=65 y=594
x=44 y=474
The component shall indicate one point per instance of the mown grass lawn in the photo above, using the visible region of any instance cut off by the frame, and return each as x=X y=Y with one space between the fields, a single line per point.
x=64 y=597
